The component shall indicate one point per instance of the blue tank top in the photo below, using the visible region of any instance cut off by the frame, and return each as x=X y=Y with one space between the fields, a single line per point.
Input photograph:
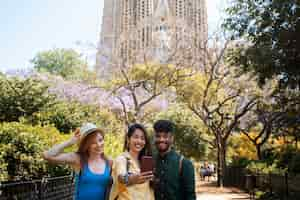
x=91 y=186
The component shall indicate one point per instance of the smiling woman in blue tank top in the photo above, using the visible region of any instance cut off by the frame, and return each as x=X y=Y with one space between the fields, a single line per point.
x=89 y=162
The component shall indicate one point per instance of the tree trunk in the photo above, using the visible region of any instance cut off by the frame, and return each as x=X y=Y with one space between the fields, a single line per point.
x=221 y=145
x=218 y=167
x=223 y=159
x=258 y=151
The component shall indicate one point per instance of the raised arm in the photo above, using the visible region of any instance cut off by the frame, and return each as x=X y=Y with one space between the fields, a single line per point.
x=56 y=155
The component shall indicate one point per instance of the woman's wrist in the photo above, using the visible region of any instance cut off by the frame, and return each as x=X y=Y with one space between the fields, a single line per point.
x=126 y=179
x=70 y=142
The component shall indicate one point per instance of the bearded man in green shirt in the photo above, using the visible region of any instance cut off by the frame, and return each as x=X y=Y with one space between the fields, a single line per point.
x=174 y=175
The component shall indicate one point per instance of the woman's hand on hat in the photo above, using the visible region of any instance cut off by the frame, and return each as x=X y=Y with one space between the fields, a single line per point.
x=76 y=137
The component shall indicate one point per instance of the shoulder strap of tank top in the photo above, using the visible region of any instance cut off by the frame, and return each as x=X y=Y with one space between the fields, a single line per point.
x=110 y=164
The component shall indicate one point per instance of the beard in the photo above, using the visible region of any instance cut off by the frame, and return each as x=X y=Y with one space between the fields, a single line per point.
x=162 y=146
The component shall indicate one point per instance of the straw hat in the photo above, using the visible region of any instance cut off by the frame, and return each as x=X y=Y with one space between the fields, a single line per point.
x=87 y=129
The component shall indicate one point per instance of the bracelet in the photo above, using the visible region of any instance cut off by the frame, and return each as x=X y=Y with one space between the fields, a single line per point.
x=125 y=179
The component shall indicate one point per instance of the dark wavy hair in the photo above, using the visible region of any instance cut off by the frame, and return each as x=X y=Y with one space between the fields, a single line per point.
x=146 y=151
x=163 y=126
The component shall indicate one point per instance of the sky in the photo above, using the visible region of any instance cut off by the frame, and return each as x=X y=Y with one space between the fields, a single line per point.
x=31 y=26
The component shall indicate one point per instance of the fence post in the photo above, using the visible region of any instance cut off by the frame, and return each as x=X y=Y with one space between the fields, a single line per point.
x=42 y=188
x=286 y=178
x=41 y=192
x=37 y=189
x=270 y=183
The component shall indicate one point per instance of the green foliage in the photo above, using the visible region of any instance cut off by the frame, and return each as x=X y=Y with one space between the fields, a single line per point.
x=189 y=132
x=240 y=150
x=113 y=144
x=272 y=31
x=269 y=156
x=295 y=163
x=263 y=168
x=285 y=156
x=66 y=116
x=21 y=147
x=289 y=158
x=64 y=62
x=263 y=195
x=275 y=160
x=240 y=162
x=3 y=167
x=22 y=98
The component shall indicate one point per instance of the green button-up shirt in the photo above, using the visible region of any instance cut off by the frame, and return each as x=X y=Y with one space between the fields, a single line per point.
x=171 y=183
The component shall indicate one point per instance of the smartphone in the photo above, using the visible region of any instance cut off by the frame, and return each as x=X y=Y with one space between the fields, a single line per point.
x=147 y=164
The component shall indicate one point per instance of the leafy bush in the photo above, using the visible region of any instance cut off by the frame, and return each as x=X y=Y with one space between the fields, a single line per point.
x=262 y=167
x=260 y=195
x=240 y=150
x=289 y=157
x=21 y=147
x=240 y=162
x=66 y=116
x=295 y=164
x=269 y=155
x=22 y=98
x=285 y=156
x=3 y=167
x=113 y=144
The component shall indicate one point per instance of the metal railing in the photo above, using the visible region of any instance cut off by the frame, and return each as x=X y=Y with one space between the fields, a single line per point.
x=60 y=188
x=285 y=187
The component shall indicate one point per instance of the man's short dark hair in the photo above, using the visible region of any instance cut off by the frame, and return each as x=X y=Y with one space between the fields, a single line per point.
x=163 y=126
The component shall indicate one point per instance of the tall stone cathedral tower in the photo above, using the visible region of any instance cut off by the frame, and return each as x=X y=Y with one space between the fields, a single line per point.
x=149 y=24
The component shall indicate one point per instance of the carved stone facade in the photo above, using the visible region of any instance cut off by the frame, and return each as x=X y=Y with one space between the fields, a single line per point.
x=155 y=25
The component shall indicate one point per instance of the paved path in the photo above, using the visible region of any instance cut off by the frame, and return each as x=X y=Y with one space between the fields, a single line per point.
x=209 y=191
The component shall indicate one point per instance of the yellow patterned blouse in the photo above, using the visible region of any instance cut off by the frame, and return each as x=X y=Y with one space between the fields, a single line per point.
x=133 y=192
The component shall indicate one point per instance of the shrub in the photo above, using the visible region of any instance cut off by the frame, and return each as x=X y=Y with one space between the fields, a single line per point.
x=286 y=156
x=66 y=116
x=240 y=162
x=295 y=163
x=262 y=167
x=113 y=145
x=22 y=97
x=21 y=147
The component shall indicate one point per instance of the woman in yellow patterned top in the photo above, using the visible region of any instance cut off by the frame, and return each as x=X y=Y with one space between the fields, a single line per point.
x=129 y=182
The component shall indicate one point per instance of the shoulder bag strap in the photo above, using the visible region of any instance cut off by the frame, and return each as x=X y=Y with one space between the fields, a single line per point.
x=180 y=165
x=127 y=165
